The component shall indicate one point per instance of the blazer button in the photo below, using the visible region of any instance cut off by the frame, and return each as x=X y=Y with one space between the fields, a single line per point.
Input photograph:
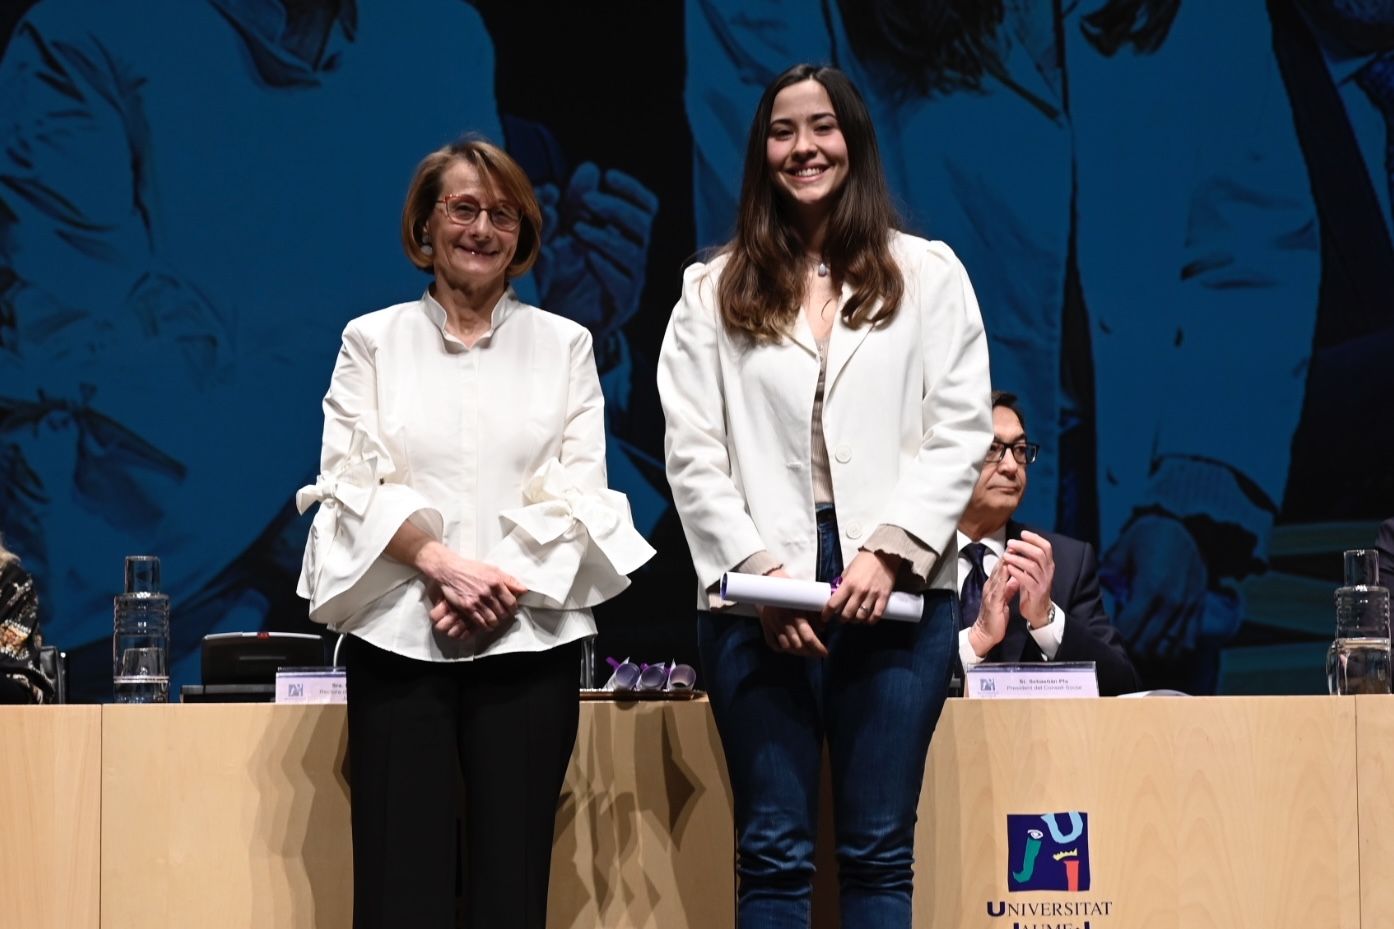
x=843 y=453
x=854 y=530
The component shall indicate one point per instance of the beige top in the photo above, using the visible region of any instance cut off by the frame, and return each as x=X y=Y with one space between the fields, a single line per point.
x=822 y=471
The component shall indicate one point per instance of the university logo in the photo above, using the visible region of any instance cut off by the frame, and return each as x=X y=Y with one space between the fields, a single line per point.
x=1048 y=851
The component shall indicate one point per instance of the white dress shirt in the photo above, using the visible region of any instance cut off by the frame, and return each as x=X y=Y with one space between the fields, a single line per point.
x=1048 y=637
x=497 y=450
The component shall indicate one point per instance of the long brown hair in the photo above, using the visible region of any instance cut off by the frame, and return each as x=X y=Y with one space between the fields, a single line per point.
x=763 y=282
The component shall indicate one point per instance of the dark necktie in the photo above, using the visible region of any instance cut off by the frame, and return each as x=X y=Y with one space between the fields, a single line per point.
x=1377 y=80
x=970 y=599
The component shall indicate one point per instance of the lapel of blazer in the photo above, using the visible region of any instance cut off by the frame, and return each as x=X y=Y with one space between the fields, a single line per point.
x=1018 y=70
x=802 y=335
x=843 y=343
x=1357 y=255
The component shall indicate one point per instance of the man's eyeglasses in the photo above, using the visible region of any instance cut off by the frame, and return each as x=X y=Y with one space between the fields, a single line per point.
x=1023 y=452
x=464 y=210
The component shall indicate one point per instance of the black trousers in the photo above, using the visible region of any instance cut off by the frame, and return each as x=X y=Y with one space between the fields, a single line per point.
x=507 y=724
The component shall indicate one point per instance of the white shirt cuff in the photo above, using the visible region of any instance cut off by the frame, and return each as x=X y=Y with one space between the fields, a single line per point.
x=1049 y=636
x=966 y=656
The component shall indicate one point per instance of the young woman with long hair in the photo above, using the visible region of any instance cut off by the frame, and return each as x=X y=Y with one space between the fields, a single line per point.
x=825 y=385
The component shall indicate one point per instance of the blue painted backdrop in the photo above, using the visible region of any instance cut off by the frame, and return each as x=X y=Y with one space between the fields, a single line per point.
x=1176 y=216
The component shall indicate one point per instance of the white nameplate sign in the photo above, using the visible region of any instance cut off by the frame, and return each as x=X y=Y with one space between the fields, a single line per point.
x=1032 y=681
x=311 y=685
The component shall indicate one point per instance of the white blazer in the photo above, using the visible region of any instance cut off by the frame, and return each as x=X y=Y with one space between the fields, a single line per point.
x=906 y=415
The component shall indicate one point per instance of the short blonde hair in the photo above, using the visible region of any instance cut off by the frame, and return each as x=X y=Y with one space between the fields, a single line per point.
x=499 y=171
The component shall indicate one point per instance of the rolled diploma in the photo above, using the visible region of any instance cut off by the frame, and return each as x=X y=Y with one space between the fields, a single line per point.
x=808 y=596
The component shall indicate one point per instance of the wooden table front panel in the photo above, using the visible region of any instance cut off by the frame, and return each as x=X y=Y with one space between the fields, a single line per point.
x=237 y=815
x=1234 y=813
x=50 y=816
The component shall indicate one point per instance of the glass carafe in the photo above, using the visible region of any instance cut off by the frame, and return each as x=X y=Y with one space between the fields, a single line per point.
x=1358 y=660
x=140 y=635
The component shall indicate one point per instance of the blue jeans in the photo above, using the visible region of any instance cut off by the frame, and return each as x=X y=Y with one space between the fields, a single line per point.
x=876 y=699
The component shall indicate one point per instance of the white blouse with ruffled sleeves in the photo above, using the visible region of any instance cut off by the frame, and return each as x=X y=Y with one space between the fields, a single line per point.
x=496 y=450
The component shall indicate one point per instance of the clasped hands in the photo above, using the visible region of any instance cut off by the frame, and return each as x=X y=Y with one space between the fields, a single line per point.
x=467 y=596
x=1026 y=570
x=860 y=598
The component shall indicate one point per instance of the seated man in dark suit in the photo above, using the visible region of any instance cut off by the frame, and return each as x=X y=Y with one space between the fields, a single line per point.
x=1029 y=596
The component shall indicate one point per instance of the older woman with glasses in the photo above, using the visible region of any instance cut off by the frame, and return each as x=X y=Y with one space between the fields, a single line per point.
x=465 y=529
